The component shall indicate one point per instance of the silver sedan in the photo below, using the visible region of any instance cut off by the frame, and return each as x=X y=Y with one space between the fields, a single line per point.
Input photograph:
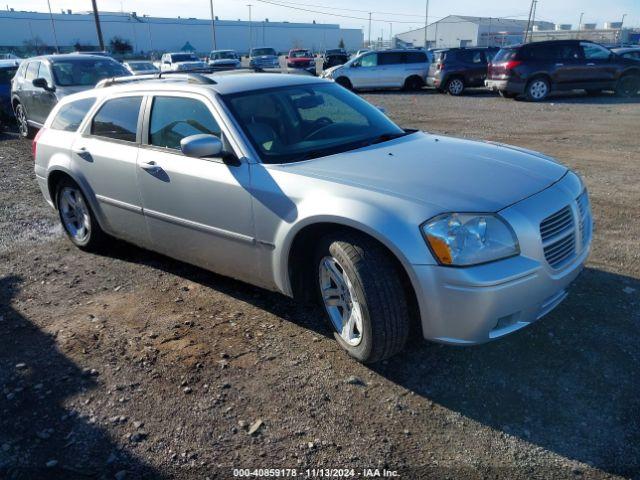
x=299 y=186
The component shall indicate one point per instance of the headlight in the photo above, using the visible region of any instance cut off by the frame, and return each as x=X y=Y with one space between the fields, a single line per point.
x=462 y=239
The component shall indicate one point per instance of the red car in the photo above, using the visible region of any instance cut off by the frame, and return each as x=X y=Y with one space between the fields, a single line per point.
x=301 y=58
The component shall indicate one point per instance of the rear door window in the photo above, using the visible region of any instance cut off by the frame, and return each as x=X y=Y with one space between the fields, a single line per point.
x=117 y=119
x=32 y=71
x=174 y=118
x=70 y=116
x=415 y=57
x=504 y=55
x=390 y=58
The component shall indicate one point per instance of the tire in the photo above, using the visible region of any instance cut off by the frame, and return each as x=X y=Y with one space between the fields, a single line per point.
x=24 y=129
x=628 y=86
x=593 y=92
x=537 y=89
x=505 y=94
x=344 y=82
x=355 y=272
x=77 y=218
x=413 y=84
x=455 y=87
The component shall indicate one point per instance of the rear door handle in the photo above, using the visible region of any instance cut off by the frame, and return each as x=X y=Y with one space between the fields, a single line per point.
x=151 y=167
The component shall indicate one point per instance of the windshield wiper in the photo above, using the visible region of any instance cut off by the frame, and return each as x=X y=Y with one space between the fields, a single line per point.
x=385 y=137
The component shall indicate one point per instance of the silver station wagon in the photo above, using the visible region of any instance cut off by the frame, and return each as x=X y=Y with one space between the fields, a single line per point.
x=297 y=185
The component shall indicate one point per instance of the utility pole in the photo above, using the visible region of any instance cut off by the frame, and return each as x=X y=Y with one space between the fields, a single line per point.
x=580 y=22
x=426 y=23
x=391 y=43
x=533 y=19
x=369 y=41
x=250 y=32
x=53 y=27
x=526 y=33
x=98 y=29
x=621 y=24
x=213 y=27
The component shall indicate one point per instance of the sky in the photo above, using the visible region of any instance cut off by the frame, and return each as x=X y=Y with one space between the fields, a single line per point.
x=395 y=16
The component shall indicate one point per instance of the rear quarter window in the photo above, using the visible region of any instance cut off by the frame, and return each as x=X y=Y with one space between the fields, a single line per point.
x=505 y=54
x=117 y=119
x=70 y=116
x=416 y=57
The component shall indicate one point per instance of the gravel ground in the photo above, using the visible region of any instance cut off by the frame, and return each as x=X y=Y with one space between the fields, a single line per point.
x=133 y=365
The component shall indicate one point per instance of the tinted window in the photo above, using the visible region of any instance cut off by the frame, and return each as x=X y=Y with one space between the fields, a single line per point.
x=504 y=55
x=540 y=52
x=634 y=55
x=6 y=74
x=593 y=51
x=567 y=52
x=117 y=119
x=32 y=70
x=70 y=116
x=258 y=52
x=390 y=58
x=184 y=57
x=86 y=71
x=415 y=57
x=173 y=118
x=370 y=60
x=471 y=56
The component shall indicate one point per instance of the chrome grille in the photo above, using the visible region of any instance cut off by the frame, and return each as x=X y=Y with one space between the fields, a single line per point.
x=558 y=235
x=584 y=220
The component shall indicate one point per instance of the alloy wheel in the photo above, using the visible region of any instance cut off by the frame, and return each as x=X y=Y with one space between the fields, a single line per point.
x=629 y=86
x=456 y=86
x=340 y=301
x=21 y=117
x=538 y=89
x=74 y=213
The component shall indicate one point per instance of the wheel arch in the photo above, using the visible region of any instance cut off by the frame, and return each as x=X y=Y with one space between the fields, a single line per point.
x=412 y=76
x=298 y=282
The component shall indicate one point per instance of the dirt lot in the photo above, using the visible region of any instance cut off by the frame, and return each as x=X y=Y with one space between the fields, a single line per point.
x=133 y=365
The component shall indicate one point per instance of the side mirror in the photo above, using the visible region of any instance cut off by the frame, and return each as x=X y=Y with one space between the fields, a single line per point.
x=41 y=83
x=199 y=146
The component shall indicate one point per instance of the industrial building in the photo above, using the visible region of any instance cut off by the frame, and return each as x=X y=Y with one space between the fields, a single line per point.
x=464 y=31
x=151 y=34
x=611 y=33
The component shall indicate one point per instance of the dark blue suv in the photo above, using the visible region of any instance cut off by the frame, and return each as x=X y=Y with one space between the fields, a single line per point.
x=7 y=71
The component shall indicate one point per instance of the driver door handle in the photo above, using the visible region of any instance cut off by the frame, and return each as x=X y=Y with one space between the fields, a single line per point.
x=151 y=167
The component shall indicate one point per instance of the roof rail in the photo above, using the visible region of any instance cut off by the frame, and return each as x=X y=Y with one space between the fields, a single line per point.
x=191 y=77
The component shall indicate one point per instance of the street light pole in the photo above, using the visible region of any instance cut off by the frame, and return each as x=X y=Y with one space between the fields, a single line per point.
x=250 y=32
x=369 y=41
x=621 y=24
x=426 y=23
x=53 y=27
x=213 y=27
x=98 y=29
x=580 y=22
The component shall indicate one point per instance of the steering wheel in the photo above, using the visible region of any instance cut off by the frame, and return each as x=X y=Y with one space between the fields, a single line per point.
x=326 y=130
x=322 y=121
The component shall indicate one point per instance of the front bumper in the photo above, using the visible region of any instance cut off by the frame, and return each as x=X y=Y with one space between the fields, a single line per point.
x=466 y=306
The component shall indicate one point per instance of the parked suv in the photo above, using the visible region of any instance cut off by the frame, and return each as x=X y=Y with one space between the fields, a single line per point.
x=455 y=69
x=263 y=57
x=41 y=82
x=382 y=69
x=536 y=69
x=8 y=69
x=297 y=185
x=334 y=57
x=303 y=59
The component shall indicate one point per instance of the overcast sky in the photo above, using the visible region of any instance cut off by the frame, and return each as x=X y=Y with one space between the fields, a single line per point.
x=559 y=11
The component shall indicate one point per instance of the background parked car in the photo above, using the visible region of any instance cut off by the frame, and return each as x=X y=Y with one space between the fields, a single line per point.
x=224 y=60
x=334 y=57
x=174 y=62
x=8 y=69
x=141 y=67
x=628 y=52
x=301 y=58
x=455 y=69
x=41 y=82
x=384 y=69
x=536 y=69
x=263 y=57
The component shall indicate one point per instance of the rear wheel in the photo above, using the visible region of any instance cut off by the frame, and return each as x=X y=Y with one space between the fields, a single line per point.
x=455 y=87
x=628 y=86
x=23 y=125
x=362 y=294
x=413 y=84
x=344 y=82
x=77 y=218
x=537 y=89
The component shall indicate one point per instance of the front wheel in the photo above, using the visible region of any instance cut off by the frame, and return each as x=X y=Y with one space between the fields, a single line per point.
x=455 y=87
x=413 y=84
x=77 y=218
x=23 y=125
x=362 y=294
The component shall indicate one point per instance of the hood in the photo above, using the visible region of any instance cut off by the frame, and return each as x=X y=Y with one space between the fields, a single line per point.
x=191 y=63
x=224 y=61
x=446 y=173
x=62 y=91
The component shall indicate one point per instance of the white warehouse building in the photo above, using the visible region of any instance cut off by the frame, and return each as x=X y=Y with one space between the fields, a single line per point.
x=463 y=31
x=153 y=34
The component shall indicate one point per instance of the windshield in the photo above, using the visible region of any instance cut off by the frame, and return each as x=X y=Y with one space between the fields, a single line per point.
x=141 y=67
x=300 y=54
x=184 y=57
x=295 y=123
x=86 y=72
x=223 y=55
x=258 y=52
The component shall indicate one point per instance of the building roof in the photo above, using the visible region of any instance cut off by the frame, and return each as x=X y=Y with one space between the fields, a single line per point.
x=493 y=21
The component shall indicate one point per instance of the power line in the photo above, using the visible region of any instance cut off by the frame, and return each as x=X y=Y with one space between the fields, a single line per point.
x=348 y=9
